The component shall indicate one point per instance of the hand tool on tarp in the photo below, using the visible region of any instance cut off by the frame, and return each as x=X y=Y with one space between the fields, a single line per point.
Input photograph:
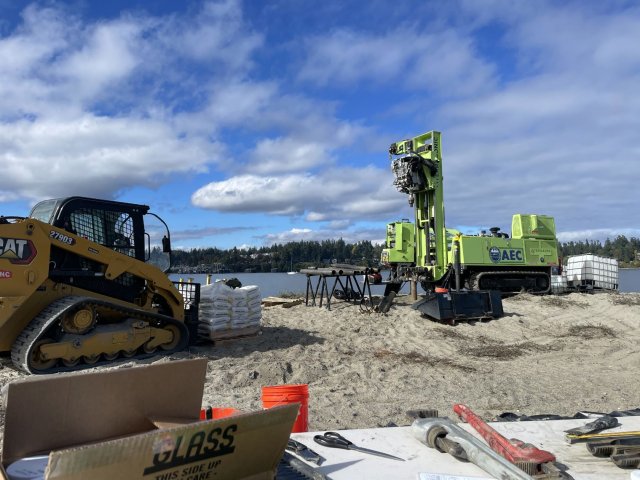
x=582 y=415
x=537 y=463
x=422 y=413
x=597 y=425
x=446 y=436
x=292 y=468
x=606 y=448
x=626 y=460
x=600 y=436
x=305 y=452
x=335 y=440
x=624 y=452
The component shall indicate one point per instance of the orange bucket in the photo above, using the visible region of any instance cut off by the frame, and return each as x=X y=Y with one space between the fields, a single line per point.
x=275 y=395
x=223 y=412
x=214 y=412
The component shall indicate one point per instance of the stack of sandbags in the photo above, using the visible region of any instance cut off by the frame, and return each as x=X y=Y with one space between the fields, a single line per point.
x=226 y=312
x=247 y=308
x=215 y=308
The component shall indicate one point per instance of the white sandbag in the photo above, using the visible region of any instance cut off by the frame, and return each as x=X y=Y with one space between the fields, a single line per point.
x=215 y=290
x=251 y=291
x=219 y=320
x=254 y=303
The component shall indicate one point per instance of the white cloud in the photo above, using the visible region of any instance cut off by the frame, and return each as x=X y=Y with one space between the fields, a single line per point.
x=440 y=59
x=300 y=231
x=286 y=155
x=334 y=194
x=229 y=104
x=93 y=103
x=297 y=235
x=93 y=156
x=236 y=103
x=249 y=193
x=217 y=33
x=42 y=33
x=591 y=41
x=7 y=196
x=108 y=56
x=195 y=233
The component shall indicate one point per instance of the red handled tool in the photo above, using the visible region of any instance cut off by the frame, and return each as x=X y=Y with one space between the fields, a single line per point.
x=524 y=455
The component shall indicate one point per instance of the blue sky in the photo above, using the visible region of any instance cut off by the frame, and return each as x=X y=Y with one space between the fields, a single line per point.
x=249 y=123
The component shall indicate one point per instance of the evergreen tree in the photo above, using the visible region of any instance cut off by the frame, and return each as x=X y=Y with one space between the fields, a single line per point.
x=625 y=250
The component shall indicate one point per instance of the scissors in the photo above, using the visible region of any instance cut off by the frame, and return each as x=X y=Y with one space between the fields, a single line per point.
x=335 y=440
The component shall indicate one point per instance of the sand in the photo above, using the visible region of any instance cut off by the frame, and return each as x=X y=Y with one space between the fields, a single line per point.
x=548 y=354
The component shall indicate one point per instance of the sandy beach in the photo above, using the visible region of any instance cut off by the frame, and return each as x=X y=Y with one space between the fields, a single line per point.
x=548 y=354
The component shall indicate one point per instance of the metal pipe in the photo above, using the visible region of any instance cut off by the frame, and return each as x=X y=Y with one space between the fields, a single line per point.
x=478 y=452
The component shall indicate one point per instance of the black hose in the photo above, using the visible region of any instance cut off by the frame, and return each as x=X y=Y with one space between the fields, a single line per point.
x=456 y=263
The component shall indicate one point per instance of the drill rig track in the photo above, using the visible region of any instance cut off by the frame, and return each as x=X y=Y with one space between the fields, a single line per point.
x=75 y=333
x=511 y=281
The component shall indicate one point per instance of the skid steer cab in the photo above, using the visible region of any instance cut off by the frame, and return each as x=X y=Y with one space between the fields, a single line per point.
x=83 y=282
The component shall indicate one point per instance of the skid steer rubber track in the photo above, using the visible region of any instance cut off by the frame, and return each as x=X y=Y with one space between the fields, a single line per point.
x=48 y=320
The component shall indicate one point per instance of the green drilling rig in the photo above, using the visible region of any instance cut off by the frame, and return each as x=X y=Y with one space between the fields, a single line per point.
x=440 y=259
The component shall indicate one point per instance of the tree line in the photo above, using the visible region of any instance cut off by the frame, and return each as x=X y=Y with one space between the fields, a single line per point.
x=625 y=250
x=284 y=257
x=304 y=254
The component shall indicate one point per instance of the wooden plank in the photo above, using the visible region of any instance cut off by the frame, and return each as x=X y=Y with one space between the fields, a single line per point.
x=285 y=302
x=233 y=333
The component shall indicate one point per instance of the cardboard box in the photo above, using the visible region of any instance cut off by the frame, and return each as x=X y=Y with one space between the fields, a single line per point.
x=139 y=423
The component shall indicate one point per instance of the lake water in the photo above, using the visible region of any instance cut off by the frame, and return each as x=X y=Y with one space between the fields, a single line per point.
x=629 y=279
x=275 y=284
